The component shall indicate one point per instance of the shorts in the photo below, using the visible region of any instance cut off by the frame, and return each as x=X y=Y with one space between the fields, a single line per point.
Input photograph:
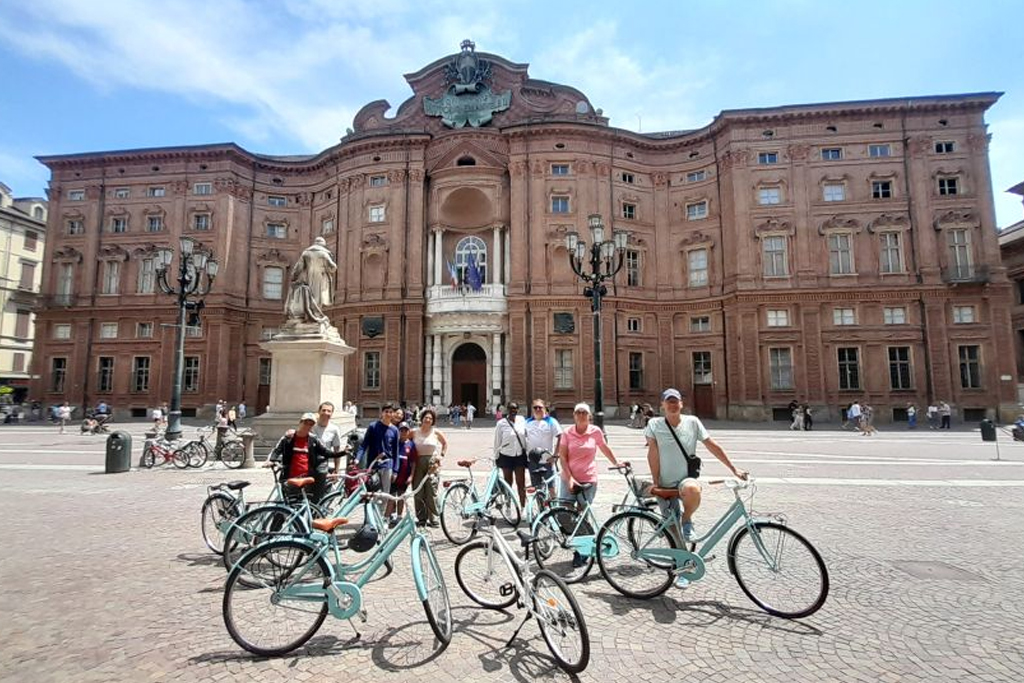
x=538 y=475
x=674 y=506
x=511 y=462
x=398 y=489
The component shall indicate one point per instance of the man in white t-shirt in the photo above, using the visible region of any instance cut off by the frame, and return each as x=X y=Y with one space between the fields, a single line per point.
x=470 y=412
x=854 y=414
x=670 y=466
x=542 y=433
x=328 y=433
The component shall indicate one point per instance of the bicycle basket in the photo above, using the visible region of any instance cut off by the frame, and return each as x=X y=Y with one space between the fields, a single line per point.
x=642 y=487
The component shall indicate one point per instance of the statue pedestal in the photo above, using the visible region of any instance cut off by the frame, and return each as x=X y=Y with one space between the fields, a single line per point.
x=305 y=371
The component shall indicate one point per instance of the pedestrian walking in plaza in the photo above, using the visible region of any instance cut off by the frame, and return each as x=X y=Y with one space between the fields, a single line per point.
x=808 y=420
x=542 y=437
x=470 y=413
x=232 y=418
x=158 y=417
x=853 y=415
x=63 y=415
x=798 y=419
x=328 y=432
x=241 y=410
x=431 y=447
x=867 y=421
x=933 y=416
x=911 y=416
x=945 y=414
x=510 y=449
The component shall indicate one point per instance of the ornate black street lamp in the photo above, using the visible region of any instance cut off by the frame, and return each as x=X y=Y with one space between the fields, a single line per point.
x=193 y=264
x=606 y=259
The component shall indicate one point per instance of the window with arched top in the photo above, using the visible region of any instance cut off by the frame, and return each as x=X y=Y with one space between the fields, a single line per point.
x=38 y=213
x=471 y=252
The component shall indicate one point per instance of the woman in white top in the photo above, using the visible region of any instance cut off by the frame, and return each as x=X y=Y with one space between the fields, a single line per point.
x=431 y=446
x=510 y=448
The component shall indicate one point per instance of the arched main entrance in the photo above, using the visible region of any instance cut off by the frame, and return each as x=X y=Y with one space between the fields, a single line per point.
x=469 y=375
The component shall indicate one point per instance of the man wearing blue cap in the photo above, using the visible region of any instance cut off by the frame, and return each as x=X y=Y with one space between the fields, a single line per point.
x=672 y=456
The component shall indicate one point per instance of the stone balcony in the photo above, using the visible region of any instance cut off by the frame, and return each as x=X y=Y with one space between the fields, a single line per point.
x=489 y=300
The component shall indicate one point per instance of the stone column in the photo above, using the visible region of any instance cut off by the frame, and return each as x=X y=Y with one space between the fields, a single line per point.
x=430 y=259
x=496 y=257
x=437 y=368
x=438 y=253
x=507 y=254
x=496 y=366
x=428 y=369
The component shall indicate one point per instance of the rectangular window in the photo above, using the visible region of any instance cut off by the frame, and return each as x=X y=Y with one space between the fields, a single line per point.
x=108 y=330
x=76 y=195
x=277 y=231
x=775 y=264
x=628 y=178
x=702 y=367
x=959 y=254
x=65 y=283
x=881 y=189
x=844 y=316
x=201 y=222
x=111 y=277
x=154 y=224
x=327 y=226
x=31 y=239
x=632 y=268
x=559 y=169
x=273 y=280
x=105 y=374
x=970 y=367
x=948 y=186
x=963 y=315
x=879 y=150
x=378 y=181
x=769 y=195
x=696 y=176
x=190 y=374
x=563 y=369
x=155 y=192
x=140 y=374
x=28 y=276
x=778 y=317
x=892 y=253
x=780 y=367
x=58 y=370
x=697 y=262
x=118 y=224
x=894 y=315
x=840 y=254
x=143 y=330
x=371 y=370
x=899 y=367
x=202 y=188
x=62 y=331
x=559 y=205
x=122 y=193
x=767 y=158
x=945 y=147
x=696 y=211
x=22 y=323
x=700 y=323
x=636 y=371
x=265 y=371
x=629 y=211
x=834 y=192
x=633 y=325
x=377 y=213
x=147 y=276
x=18 y=362
x=849 y=369
x=832 y=153
x=76 y=227
x=277 y=201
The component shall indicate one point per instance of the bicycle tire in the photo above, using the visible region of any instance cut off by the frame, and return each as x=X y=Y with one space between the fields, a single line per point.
x=258 y=526
x=216 y=507
x=812 y=580
x=558 y=602
x=456 y=528
x=507 y=505
x=197 y=455
x=180 y=457
x=551 y=550
x=148 y=456
x=232 y=454
x=437 y=605
x=631 y=530
x=480 y=562
x=268 y=575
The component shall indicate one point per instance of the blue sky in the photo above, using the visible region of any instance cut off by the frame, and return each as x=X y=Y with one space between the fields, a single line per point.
x=286 y=76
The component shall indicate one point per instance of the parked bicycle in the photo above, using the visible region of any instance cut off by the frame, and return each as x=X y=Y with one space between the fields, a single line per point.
x=492 y=575
x=462 y=504
x=164 y=451
x=225 y=503
x=294 y=583
x=230 y=450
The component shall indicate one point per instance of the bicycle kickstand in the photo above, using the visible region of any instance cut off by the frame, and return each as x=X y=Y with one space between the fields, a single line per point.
x=518 y=629
x=362 y=618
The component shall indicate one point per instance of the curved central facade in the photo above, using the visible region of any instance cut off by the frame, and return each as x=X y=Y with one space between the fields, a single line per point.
x=820 y=253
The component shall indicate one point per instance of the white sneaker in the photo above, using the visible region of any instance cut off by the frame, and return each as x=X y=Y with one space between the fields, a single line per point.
x=682 y=582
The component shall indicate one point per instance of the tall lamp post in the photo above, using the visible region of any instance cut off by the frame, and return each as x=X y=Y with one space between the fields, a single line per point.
x=193 y=264
x=606 y=257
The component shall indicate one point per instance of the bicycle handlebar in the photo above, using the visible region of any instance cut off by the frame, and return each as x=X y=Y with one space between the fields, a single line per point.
x=408 y=494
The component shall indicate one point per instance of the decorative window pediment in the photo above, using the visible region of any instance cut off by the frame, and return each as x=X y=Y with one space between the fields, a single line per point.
x=958 y=218
x=271 y=257
x=112 y=253
x=889 y=222
x=839 y=224
x=67 y=255
x=374 y=244
x=774 y=226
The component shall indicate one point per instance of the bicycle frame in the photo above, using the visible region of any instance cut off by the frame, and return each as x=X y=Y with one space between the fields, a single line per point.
x=480 y=500
x=532 y=509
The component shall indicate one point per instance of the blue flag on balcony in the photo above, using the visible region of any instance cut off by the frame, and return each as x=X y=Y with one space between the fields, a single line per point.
x=453 y=273
x=473 y=274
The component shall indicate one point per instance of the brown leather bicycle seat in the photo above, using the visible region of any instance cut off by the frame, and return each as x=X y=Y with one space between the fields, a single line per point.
x=666 y=493
x=299 y=482
x=465 y=463
x=330 y=524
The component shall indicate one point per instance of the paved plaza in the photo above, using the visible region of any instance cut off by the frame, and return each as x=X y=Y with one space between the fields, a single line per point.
x=106 y=578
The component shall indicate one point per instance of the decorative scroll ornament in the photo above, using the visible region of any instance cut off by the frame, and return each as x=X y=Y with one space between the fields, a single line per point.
x=373 y=327
x=468 y=99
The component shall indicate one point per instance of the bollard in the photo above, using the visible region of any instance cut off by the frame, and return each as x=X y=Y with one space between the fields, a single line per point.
x=249 y=440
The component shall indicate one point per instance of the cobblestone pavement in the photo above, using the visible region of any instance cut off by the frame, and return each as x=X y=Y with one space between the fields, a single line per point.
x=106 y=578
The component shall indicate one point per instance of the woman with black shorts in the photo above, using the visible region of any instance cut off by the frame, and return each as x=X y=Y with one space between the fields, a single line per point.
x=510 y=448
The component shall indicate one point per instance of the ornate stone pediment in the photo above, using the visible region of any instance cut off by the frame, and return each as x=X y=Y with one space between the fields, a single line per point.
x=773 y=225
x=374 y=244
x=112 y=253
x=271 y=256
x=956 y=218
x=67 y=255
x=696 y=239
x=889 y=221
x=839 y=223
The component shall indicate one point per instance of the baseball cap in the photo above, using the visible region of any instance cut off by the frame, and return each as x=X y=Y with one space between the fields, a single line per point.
x=671 y=393
x=581 y=408
x=308 y=417
x=404 y=425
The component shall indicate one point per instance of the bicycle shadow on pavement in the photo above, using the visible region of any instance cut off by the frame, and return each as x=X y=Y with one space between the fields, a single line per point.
x=199 y=559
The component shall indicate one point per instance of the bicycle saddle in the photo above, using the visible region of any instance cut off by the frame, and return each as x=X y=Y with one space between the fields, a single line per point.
x=525 y=537
x=465 y=463
x=330 y=524
x=236 y=485
x=300 y=482
x=666 y=493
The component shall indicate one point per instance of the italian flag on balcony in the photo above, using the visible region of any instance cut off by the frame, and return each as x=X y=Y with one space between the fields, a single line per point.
x=453 y=273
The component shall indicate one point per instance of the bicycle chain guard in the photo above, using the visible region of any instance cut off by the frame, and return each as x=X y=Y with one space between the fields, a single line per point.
x=344 y=599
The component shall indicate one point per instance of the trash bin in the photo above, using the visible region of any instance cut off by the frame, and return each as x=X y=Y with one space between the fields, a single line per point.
x=988 y=430
x=119 y=452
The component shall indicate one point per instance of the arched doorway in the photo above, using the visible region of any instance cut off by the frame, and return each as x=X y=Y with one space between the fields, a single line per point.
x=469 y=374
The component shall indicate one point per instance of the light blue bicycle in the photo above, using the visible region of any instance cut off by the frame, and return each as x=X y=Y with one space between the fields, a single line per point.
x=279 y=593
x=462 y=505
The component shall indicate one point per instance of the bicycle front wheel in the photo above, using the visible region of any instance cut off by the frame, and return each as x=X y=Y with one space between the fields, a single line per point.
x=217 y=509
x=561 y=622
x=259 y=614
x=148 y=456
x=436 y=603
x=457 y=527
x=181 y=457
x=233 y=454
x=257 y=526
x=633 y=576
x=557 y=546
x=483 y=576
x=196 y=455
x=779 y=570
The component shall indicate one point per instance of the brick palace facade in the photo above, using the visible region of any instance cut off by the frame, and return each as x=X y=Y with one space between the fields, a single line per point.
x=816 y=252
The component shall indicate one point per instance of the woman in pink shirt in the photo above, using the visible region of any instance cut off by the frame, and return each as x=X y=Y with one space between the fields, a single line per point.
x=577 y=454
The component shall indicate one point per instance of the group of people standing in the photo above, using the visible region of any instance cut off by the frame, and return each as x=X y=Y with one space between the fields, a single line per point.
x=462 y=414
x=861 y=416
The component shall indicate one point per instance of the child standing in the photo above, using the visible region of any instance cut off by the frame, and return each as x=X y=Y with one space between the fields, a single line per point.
x=403 y=469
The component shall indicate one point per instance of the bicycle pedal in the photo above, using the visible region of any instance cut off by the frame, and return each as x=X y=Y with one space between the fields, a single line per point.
x=506 y=589
x=363 y=615
x=709 y=558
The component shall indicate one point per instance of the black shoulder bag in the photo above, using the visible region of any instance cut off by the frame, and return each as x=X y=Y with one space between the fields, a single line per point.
x=692 y=461
x=522 y=444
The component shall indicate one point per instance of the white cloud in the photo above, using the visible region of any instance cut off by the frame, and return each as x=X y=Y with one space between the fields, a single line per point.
x=1007 y=168
x=23 y=174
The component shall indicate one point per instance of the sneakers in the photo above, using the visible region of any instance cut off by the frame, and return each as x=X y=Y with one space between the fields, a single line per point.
x=689 y=535
x=682 y=582
x=433 y=524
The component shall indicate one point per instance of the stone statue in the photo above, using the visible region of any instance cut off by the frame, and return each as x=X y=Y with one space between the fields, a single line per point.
x=309 y=290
